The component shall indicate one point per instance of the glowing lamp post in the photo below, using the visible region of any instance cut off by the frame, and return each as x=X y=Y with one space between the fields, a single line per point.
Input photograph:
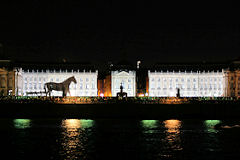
x=141 y=95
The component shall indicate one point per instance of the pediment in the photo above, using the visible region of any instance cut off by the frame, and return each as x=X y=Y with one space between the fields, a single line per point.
x=122 y=73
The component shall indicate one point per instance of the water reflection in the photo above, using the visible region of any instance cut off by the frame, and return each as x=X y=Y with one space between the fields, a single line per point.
x=173 y=134
x=75 y=135
x=210 y=125
x=149 y=123
x=22 y=123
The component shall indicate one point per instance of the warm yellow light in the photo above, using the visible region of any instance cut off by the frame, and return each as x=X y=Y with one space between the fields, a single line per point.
x=173 y=134
x=71 y=123
x=141 y=95
x=172 y=125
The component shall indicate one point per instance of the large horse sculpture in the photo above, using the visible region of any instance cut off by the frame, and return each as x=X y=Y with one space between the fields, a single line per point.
x=64 y=86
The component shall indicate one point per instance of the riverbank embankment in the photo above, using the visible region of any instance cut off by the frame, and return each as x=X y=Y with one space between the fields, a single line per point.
x=121 y=110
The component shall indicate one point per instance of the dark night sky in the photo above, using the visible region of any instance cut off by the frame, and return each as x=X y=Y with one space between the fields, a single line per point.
x=112 y=30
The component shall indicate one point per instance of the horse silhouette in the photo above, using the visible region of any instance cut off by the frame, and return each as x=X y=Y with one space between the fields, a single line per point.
x=64 y=86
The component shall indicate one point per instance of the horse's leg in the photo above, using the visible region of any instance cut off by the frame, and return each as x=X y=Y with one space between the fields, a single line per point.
x=63 y=93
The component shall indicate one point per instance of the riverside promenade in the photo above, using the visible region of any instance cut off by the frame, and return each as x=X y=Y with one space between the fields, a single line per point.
x=137 y=108
x=121 y=110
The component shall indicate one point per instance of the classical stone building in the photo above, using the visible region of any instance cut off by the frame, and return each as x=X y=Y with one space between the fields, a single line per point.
x=190 y=83
x=128 y=81
x=9 y=84
x=193 y=84
x=34 y=80
x=233 y=80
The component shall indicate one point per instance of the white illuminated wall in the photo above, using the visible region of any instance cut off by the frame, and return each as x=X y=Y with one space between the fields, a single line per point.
x=127 y=79
x=33 y=81
x=191 y=84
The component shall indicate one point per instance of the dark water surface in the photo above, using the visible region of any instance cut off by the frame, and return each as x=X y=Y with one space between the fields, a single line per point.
x=119 y=139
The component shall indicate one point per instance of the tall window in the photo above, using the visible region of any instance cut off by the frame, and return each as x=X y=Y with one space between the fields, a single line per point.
x=194 y=86
x=158 y=85
x=87 y=86
x=170 y=85
x=152 y=86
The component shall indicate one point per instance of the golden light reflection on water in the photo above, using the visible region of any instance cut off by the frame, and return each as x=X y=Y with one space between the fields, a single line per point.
x=71 y=124
x=173 y=133
x=172 y=126
x=74 y=137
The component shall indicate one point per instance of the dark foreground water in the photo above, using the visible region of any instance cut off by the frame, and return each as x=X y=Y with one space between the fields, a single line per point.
x=119 y=139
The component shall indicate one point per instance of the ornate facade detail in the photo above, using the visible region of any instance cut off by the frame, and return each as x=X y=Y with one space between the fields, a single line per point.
x=128 y=81
x=190 y=84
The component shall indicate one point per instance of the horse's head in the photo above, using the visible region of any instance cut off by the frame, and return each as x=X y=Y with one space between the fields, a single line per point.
x=73 y=79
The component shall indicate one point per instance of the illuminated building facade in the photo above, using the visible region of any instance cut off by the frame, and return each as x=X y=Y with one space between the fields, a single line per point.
x=233 y=80
x=34 y=80
x=191 y=80
x=190 y=84
x=128 y=81
x=9 y=84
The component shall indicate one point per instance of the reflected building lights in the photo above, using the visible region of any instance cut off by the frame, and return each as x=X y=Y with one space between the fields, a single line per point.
x=172 y=126
x=77 y=123
x=71 y=123
x=22 y=123
x=74 y=137
x=149 y=123
x=173 y=134
x=210 y=124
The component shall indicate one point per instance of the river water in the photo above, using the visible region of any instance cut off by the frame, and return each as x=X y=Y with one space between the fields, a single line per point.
x=119 y=139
